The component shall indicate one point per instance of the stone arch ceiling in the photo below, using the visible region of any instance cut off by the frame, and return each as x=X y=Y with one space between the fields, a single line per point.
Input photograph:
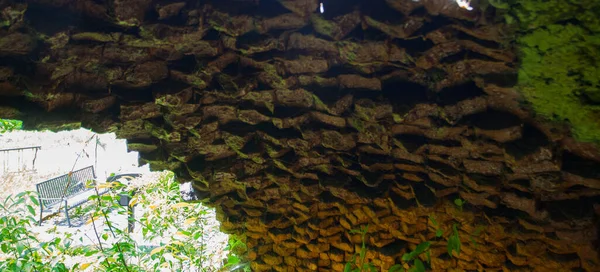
x=300 y=127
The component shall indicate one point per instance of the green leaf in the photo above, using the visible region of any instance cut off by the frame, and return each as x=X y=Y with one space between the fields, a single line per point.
x=439 y=233
x=105 y=236
x=396 y=268
x=454 y=241
x=433 y=221
x=31 y=209
x=90 y=253
x=232 y=260
x=348 y=267
x=418 y=266
x=418 y=250
x=20 y=248
x=459 y=202
x=34 y=200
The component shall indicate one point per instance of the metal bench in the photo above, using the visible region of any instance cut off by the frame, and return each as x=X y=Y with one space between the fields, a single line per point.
x=69 y=189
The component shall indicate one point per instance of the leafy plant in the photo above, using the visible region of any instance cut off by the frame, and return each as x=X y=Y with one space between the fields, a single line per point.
x=359 y=265
x=236 y=247
x=180 y=226
x=418 y=265
x=460 y=203
x=454 y=241
x=438 y=231
x=21 y=249
x=7 y=125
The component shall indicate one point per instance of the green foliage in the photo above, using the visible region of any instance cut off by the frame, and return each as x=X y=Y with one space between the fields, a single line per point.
x=396 y=268
x=454 y=241
x=22 y=250
x=453 y=245
x=422 y=247
x=180 y=225
x=459 y=203
x=235 y=262
x=359 y=265
x=417 y=264
x=7 y=125
x=438 y=231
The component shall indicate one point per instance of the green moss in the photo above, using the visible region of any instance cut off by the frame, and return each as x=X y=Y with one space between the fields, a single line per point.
x=179 y=158
x=275 y=80
x=261 y=98
x=164 y=165
x=397 y=118
x=162 y=133
x=343 y=162
x=132 y=22
x=319 y=105
x=531 y=14
x=144 y=148
x=281 y=166
x=366 y=113
x=93 y=36
x=278 y=123
x=236 y=143
x=357 y=124
x=256 y=158
x=271 y=139
x=59 y=126
x=271 y=151
x=348 y=50
x=559 y=72
x=323 y=26
x=398 y=144
x=325 y=168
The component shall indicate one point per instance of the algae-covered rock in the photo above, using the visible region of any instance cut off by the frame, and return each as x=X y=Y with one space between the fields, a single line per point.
x=559 y=73
x=58 y=126
x=142 y=148
x=9 y=113
x=303 y=128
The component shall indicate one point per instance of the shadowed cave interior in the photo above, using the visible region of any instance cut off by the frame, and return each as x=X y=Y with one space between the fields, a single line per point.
x=300 y=127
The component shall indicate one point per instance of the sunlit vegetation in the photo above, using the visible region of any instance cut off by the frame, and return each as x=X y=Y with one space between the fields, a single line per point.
x=180 y=227
x=7 y=125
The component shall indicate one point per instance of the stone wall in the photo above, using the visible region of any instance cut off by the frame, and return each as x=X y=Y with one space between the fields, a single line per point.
x=301 y=127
